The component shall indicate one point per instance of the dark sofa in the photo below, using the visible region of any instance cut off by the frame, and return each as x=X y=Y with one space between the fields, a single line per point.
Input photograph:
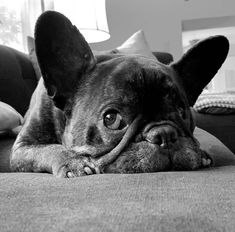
x=202 y=200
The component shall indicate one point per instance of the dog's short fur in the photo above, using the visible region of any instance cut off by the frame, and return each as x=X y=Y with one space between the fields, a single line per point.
x=112 y=112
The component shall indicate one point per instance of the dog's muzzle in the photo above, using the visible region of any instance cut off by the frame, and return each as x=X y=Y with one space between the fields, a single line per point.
x=157 y=146
x=163 y=133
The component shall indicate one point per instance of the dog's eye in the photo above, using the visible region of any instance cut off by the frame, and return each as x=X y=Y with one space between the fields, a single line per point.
x=113 y=120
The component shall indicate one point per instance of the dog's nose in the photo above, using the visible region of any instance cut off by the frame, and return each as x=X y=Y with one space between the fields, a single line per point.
x=163 y=135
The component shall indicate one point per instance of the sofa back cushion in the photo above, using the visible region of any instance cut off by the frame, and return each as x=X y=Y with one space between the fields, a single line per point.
x=17 y=79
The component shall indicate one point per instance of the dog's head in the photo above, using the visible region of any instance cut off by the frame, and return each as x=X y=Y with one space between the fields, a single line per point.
x=131 y=112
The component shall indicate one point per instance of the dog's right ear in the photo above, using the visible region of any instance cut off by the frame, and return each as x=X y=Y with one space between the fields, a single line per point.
x=63 y=55
x=200 y=64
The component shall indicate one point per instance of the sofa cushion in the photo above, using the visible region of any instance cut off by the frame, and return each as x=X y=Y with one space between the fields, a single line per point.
x=222 y=127
x=17 y=79
x=219 y=153
x=9 y=117
x=166 y=201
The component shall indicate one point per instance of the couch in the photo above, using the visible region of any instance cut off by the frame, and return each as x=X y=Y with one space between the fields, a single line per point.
x=202 y=200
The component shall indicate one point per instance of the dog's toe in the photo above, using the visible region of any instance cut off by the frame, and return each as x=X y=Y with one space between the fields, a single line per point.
x=70 y=174
x=88 y=170
x=75 y=167
x=206 y=162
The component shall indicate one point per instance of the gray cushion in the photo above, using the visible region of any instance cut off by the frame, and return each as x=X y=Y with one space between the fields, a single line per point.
x=168 y=201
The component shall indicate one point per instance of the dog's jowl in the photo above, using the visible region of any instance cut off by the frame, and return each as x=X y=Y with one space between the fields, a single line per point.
x=112 y=112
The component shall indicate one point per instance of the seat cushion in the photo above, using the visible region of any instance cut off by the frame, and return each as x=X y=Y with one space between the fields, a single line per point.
x=200 y=200
x=165 y=201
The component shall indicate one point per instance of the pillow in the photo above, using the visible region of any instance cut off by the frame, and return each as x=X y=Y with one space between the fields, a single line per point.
x=136 y=44
x=217 y=110
x=219 y=153
x=216 y=103
x=9 y=118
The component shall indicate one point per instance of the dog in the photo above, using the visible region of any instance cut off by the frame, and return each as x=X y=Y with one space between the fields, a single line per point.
x=111 y=113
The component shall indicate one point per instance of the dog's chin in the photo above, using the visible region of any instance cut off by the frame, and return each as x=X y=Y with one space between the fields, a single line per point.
x=147 y=157
x=140 y=157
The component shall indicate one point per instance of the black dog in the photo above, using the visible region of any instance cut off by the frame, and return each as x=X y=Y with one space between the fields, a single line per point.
x=111 y=112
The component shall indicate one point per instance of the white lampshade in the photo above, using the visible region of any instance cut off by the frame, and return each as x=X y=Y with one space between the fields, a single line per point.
x=89 y=16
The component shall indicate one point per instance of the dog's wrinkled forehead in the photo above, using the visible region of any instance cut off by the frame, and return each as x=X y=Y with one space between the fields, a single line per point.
x=127 y=77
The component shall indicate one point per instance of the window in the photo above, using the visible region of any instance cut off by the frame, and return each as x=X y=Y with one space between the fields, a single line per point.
x=10 y=24
x=197 y=29
x=17 y=21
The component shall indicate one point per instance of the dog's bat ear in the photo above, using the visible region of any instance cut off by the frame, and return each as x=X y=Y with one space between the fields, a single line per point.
x=63 y=55
x=199 y=65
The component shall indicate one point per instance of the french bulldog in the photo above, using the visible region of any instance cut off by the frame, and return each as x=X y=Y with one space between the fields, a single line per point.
x=111 y=113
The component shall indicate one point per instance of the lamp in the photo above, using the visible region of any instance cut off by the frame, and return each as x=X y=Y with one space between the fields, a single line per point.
x=89 y=16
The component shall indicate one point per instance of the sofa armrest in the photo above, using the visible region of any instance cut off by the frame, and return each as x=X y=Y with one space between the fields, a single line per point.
x=221 y=126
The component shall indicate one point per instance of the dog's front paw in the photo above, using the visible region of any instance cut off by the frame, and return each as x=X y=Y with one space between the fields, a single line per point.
x=72 y=165
x=206 y=160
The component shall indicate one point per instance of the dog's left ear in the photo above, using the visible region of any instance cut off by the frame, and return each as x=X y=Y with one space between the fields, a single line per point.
x=63 y=55
x=199 y=65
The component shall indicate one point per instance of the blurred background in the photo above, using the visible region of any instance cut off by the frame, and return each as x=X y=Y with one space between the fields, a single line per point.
x=169 y=26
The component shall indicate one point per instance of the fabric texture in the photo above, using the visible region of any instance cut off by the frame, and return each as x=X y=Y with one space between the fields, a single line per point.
x=167 y=201
x=223 y=110
x=216 y=103
x=200 y=200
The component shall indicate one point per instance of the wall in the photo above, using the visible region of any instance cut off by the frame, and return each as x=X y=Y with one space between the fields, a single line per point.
x=193 y=9
x=204 y=15
x=160 y=19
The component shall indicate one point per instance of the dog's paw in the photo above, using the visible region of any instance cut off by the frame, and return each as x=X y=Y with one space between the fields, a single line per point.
x=206 y=160
x=75 y=166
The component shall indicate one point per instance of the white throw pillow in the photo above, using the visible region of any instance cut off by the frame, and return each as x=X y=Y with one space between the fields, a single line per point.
x=9 y=117
x=136 y=44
